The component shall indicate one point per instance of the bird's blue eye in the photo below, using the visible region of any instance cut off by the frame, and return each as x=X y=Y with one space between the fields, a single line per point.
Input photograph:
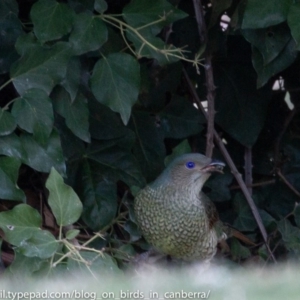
x=190 y=165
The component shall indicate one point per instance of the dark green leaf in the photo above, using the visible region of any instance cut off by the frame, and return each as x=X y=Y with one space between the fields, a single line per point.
x=290 y=234
x=64 y=202
x=220 y=187
x=24 y=266
x=241 y=108
x=34 y=113
x=76 y=113
x=297 y=215
x=262 y=14
x=51 y=19
x=270 y=42
x=72 y=79
x=25 y=43
x=9 y=171
x=293 y=22
x=7 y=123
x=150 y=149
x=41 y=67
x=11 y=28
x=182 y=148
x=245 y=220
x=238 y=251
x=71 y=234
x=281 y=62
x=41 y=244
x=96 y=262
x=99 y=200
x=10 y=145
x=89 y=33
x=142 y=12
x=100 y=6
x=20 y=223
x=104 y=123
x=43 y=158
x=180 y=119
x=114 y=161
x=115 y=83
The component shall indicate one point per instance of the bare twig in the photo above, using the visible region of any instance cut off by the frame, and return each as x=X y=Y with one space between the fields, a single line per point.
x=287 y=183
x=209 y=77
x=272 y=181
x=248 y=169
x=233 y=168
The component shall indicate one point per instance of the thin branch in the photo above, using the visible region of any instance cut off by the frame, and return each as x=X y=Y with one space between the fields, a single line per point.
x=210 y=86
x=287 y=183
x=248 y=169
x=272 y=181
x=233 y=168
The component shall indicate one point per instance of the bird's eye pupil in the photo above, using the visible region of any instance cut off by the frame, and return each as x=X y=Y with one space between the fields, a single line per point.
x=190 y=165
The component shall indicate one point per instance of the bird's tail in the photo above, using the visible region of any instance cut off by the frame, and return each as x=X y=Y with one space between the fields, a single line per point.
x=231 y=232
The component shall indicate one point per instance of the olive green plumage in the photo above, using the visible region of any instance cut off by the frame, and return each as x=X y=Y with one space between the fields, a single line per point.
x=175 y=216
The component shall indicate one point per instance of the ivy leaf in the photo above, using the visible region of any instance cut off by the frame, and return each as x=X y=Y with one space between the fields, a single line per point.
x=21 y=226
x=9 y=171
x=181 y=148
x=43 y=158
x=33 y=113
x=51 y=19
x=20 y=223
x=89 y=33
x=64 y=202
x=72 y=78
x=99 y=199
x=141 y=12
x=115 y=83
x=245 y=220
x=293 y=22
x=112 y=160
x=269 y=41
x=40 y=67
x=41 y=244
x=149 y=149
x=71 y=234
x=297 y=215
x=7 y=123
x=100 y=6
x=260 y=14
x=290 y=234
x=11 y=29
x=10 y=145
x=264 y=72
x=76 y=113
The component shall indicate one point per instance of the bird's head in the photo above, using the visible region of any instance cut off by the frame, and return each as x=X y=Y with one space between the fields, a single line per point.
x=189 y=169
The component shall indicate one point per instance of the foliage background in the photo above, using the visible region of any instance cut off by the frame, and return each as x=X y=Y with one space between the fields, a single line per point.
x=96 y=90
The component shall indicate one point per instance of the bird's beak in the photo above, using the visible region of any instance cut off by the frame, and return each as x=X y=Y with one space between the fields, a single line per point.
x=214 y=166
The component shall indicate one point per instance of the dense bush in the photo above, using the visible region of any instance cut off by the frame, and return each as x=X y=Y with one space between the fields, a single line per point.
x=100 y=93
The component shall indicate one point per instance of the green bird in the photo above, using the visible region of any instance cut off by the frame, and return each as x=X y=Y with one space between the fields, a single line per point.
x=175 y=217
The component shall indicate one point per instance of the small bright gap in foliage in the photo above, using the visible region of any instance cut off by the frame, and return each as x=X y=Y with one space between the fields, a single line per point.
x=204 y=104
x=225 y=20
x=288 y=101
x=224 y=141
x=278 y=84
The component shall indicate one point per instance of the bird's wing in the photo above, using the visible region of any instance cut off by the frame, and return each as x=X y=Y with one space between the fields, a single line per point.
x=210 y=210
